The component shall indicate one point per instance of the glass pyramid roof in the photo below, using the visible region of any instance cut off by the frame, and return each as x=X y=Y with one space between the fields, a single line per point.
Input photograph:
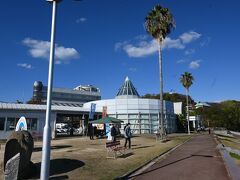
x=127 y=89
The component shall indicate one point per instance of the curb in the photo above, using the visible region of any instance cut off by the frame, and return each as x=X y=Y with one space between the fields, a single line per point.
x=222 y=151
x=215 y=137
x=149 y=163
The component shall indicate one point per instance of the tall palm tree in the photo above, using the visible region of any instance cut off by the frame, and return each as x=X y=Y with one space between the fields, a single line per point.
x=158 y=23
x=187 y=80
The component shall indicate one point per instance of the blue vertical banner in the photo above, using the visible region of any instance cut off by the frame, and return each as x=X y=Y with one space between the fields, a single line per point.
x=92 y=111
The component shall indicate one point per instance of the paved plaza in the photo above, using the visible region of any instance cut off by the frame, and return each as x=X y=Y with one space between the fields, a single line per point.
x=196 y=159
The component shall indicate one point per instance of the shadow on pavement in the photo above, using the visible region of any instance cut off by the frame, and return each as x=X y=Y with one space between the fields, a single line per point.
x=142 y=147
x=59 y=177
x=60 y=166
x=37 y=149
x=193 y=155
x=126 y=155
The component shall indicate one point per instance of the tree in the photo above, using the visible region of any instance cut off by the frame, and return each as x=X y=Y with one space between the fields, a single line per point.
x=187 y=80
x=158 y=23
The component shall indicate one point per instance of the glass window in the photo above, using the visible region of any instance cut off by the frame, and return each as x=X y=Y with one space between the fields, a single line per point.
x=28 y=123
x=133 y=116
x=2 y=123
x=122 y=116
x=132 y=121
x=145 y=121
x=144 y=116
x=11 y=124
x=34 y=124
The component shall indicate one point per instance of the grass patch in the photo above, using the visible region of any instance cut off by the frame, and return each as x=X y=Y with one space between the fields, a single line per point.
x=234 y=143
x=234 y=155
x=92 y=154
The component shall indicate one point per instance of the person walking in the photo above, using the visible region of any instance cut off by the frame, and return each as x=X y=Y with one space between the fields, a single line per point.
x=127 y=135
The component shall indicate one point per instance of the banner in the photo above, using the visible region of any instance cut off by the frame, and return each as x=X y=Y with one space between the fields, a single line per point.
x=104 y=112
x=92 y=111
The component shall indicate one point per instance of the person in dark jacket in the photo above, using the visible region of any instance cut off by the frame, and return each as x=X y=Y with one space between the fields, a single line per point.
x=127 y=135
x=113 y=132
x=90 y=131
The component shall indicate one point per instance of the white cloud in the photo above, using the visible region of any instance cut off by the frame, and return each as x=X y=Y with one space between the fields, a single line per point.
x=119 y=45
x=144 y=48
x=189 y=37
x=25 y=65
x=141 y=47
x=189 y=51
x=172 y=43
x=80 y=20
x=205 y=42
x=181 y=61
x=194 y=64
x=41 y=49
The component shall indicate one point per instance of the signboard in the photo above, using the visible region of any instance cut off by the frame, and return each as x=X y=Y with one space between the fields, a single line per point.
x=92 y=111
x=21 y=124
x=104 y=114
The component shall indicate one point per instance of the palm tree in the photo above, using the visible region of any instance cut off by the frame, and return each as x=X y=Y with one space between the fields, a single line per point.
x=158 y=23
x=187 y=80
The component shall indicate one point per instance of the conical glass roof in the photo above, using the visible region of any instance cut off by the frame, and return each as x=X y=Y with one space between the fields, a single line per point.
x=127 y=90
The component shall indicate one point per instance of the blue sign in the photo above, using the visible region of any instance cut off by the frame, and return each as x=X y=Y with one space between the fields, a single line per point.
x=92 y=111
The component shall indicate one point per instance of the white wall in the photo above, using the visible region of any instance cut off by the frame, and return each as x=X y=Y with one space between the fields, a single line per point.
x=40 y=115
x=135 y=111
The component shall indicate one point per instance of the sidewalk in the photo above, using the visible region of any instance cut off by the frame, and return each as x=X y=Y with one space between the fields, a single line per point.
x=197 y=159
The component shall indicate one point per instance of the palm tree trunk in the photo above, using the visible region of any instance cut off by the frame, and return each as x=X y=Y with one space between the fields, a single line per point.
x=187 y=111
x=161 y=87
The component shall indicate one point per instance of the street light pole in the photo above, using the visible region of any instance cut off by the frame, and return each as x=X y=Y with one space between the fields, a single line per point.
x=45 y=165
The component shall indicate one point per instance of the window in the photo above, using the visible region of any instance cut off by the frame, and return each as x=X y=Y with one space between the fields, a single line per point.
x=2 y=123
x=31 y=124
x=11 y=124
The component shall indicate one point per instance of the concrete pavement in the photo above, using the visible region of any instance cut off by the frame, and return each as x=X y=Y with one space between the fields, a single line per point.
x=197 y=159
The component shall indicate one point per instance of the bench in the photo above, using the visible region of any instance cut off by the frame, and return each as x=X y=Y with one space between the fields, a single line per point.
x=114 y=148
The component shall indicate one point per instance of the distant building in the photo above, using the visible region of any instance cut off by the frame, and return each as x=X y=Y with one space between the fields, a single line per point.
x=66 y=97
x=67 y=115
x=178 y=107
x=142 y=114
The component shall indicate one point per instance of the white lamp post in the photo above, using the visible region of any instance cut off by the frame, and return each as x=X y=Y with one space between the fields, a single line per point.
x=45 y=165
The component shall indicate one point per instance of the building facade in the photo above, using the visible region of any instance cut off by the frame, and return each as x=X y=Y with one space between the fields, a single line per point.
x=72 y=117
x=66 y=97
x=142 y=114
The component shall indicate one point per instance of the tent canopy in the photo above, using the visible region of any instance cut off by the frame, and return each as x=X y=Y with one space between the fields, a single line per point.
x=106 y=120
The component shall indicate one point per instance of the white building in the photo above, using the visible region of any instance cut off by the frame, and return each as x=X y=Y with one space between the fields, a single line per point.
x=142 y=114
x=35 y=117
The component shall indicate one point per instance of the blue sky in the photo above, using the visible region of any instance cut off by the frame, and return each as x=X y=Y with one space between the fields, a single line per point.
x=100 y=42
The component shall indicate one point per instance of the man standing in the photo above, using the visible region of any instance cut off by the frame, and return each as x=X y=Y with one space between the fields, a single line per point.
x=127 y=135
x=90 y=131
x=113 y=132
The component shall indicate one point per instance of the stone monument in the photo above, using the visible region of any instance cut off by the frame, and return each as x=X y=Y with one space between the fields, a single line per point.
x=19 y=143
